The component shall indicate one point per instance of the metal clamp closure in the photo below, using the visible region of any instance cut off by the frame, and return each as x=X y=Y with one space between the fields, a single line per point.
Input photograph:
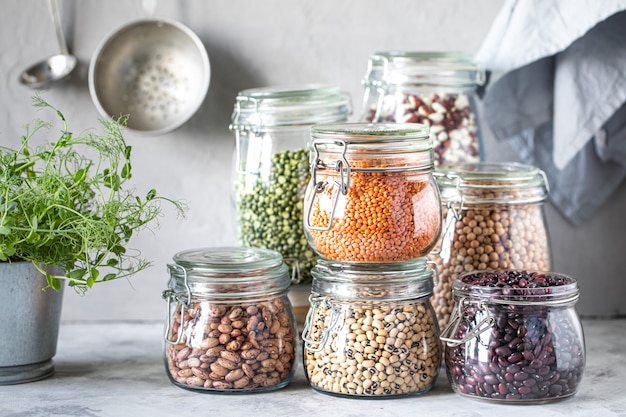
x=237 y=114
x=183 y=299
x=458 y=315
x=317 y=345
x=342 y=166
x=296 y=275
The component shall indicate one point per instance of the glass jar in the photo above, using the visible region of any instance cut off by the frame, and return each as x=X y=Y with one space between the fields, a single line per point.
x=230 y=327
x=272 y=129
x=494 y=220
x=371 y=331
x=437 y=89
x=515 y=337
x=372 y=196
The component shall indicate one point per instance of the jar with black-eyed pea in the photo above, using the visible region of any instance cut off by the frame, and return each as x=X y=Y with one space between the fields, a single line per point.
x=230 y=326
x=371 y=331
x=494 y=220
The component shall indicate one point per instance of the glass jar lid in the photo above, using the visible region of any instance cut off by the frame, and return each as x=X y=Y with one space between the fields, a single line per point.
x=403 y=145
x=491 y=182
x=442 y=69
x=516 y=287
x=282 y=106
x=373 y=282
x=228 y=272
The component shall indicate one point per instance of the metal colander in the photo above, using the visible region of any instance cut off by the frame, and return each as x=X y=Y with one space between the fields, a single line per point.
x=154 y=70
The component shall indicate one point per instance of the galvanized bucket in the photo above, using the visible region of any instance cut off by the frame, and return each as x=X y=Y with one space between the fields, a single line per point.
x=29 y=324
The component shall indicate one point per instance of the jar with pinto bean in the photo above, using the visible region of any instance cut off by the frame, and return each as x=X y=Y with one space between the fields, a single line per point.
x=371 y=331
x=515 y=337
x=230 y=326
x=372 y=197
x=271 y=165
x=437 y=89
x=494 y=220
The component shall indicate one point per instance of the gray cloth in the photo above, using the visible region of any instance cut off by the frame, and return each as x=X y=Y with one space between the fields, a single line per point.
x=563 y=112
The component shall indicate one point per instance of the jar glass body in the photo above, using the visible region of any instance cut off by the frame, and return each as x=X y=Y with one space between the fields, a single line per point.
x=494 y=220
x=272 y=129
x=437 y=89
x=375 y=337
x=372 y=196
x=517 y=345
x=231 y=327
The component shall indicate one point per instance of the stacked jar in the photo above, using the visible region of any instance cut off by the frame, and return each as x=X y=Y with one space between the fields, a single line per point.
x=372 y=212
x=494 y=221
x=437 y=89
x=272 y=129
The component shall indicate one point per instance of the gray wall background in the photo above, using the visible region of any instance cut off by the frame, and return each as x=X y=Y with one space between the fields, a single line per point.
x=250 y=44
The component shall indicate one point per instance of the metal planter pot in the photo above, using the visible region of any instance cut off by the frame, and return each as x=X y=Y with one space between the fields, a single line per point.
x=29 y=324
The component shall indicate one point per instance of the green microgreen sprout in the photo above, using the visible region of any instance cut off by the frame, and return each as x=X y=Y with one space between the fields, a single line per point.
x=66 y=203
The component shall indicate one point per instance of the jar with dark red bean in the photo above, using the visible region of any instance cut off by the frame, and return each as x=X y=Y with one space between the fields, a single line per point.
x=494 y=219
x=515 y=337
x=230 y=327
x=437 y=89
x=372 y=197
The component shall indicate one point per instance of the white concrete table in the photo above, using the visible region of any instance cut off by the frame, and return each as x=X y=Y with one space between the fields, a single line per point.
x=116 y=369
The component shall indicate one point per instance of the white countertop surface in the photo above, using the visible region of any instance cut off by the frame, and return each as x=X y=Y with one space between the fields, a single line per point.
x=116 y=369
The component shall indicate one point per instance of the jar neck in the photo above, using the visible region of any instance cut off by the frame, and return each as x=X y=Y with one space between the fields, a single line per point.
x=228 y=273
x=263 y=110
x=372 y=147
x=562 y=290
x=450 y=70
x=491 y=183
x=409 y=280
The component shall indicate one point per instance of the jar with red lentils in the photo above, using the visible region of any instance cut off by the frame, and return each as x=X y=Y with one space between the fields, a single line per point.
x=515 y=337
x=230 y=325
x=437 y=89
x=494 y=221
x=371 y=331
x=372 y=197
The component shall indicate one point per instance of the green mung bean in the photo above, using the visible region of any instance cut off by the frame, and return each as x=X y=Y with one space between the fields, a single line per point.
x=269 y=215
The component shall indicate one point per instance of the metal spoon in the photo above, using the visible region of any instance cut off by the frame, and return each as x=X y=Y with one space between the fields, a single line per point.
x=54 y=68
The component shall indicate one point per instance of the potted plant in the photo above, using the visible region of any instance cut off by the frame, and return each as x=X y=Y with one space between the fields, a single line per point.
x=66 y=216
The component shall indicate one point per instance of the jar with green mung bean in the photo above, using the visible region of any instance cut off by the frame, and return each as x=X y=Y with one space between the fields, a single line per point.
x=272 y=169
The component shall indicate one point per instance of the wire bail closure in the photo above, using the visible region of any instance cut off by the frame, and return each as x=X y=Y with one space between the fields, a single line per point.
x=455 y=321
x=183 y=299
x=317 y=345
x=342 y=166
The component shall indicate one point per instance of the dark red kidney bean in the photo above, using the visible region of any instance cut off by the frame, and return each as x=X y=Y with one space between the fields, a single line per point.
x=533 y=352
x=491 y=379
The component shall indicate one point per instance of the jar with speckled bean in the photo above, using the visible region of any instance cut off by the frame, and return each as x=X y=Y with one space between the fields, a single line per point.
x=230 y=326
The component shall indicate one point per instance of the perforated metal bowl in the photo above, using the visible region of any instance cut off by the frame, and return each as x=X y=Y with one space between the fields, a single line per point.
x=154 y=70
